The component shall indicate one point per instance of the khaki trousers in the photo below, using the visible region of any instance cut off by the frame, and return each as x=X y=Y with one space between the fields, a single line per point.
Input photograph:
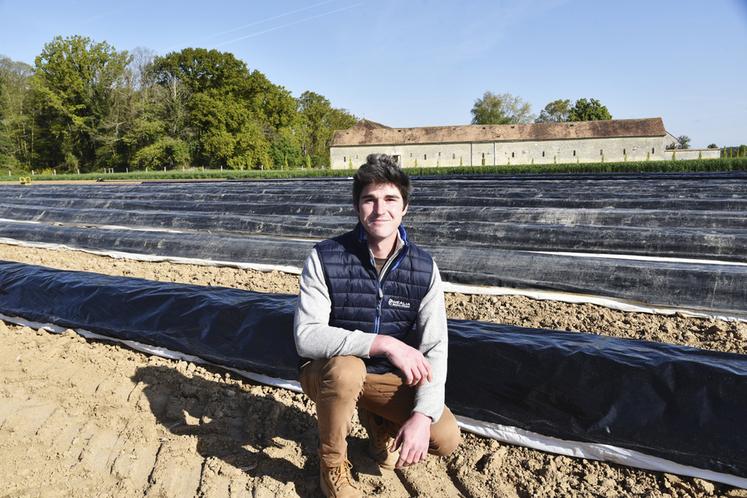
x=340 y=383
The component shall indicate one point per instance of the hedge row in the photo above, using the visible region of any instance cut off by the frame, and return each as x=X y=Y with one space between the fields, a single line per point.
x=697 y=165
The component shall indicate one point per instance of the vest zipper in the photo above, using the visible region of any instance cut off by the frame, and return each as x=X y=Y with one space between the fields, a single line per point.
x=379 y=300
x=380 y=282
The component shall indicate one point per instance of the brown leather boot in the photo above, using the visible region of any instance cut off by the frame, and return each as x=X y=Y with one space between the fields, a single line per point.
x=379 y=439
x=337 y=482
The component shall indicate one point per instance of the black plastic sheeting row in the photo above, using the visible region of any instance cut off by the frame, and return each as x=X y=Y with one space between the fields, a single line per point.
x=677 y=403
x=688 y=216
x=416 y=214
x=484 y=230
x=712 y=289
x=719 y=244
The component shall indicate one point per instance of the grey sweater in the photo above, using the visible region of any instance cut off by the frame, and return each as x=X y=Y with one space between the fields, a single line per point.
x=316 y=339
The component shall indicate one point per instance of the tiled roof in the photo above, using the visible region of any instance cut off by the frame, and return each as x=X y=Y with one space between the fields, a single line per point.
x=370 y=133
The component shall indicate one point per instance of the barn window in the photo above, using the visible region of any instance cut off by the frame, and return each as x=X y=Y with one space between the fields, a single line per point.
x=625 y=151
x=425 y=156
x=543 y=153
x=344 y=159
x=439 y=154
x=483 y=155
x=574 y=152
x=453 y=156
x=601 y=152
x=513 y=154
x=653 y=150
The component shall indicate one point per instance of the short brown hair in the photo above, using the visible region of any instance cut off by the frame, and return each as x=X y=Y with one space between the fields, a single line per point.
x=381 y=168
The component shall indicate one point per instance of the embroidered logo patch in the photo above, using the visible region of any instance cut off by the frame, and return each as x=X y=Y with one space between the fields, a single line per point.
x=396 y=303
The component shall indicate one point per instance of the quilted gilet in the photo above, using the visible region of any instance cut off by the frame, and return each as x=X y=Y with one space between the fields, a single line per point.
x=362 y=300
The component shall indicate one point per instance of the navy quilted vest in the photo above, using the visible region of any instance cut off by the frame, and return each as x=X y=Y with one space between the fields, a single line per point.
x=361 y=301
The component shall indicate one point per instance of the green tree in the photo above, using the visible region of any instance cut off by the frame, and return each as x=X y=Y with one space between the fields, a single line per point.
x=6 y=146
x=501 y=108
x=273 y=104
x=683 y=142
x=200 y=70
x=74 y=85
x=165 y=152
x=555 y=112
x=233 y=114
x=712 y=146
x=588 y=110
x=285 y=149
x=16 y=124
x=317 y=121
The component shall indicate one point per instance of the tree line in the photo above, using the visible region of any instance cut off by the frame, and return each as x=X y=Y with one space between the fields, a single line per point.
x=85 y=106
x=505 y=108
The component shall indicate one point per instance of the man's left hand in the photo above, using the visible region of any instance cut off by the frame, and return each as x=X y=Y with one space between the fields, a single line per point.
x=413 y=439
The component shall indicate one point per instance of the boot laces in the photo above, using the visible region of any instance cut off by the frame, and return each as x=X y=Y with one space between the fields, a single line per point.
x=341 y=474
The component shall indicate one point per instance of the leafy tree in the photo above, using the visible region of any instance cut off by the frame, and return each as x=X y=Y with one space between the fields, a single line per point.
x=6 y=146
x=252 y=149
x=683 y=142
x=555 y=112
x=200 y=70
x=165 y=152
x=501 y=108
x=285 y=149
x=712 y=146
x=588 y=110
x=74 y=84
x=15 y=112
x=317 y=121
x=233 y=114
x=274 y=105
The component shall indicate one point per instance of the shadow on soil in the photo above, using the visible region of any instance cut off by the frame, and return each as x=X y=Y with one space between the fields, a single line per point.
x=250 y=432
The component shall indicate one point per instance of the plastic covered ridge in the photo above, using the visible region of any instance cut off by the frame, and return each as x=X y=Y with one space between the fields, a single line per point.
x=678 y=403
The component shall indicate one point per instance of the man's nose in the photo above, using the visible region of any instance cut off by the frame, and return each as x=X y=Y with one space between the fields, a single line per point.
x=378 y=207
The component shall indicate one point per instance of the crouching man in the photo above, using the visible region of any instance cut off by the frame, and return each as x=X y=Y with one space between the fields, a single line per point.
x=371 y=326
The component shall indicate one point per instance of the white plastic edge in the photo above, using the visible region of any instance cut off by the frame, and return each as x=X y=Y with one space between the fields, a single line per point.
x=154 y=258
x=570 y=297
x=635 y=257
x=503 y=433
x=154 y=350
x=592 y=451
x=566 y=297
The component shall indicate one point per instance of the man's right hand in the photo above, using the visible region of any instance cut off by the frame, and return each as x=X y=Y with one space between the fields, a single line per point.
x=410 y=361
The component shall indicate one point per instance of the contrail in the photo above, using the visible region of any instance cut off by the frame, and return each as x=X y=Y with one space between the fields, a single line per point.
x=251 y=35
x=268 y=19
x=254 y=23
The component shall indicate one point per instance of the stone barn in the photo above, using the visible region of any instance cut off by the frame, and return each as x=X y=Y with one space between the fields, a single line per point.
x=486 y=145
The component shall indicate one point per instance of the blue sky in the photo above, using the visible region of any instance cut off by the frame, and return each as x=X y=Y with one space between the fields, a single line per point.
x=423 y=63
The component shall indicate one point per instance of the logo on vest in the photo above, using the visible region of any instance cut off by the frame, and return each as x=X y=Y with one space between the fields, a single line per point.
x=396 y=303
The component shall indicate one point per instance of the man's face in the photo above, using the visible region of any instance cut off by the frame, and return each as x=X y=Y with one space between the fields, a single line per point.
x=380 y=211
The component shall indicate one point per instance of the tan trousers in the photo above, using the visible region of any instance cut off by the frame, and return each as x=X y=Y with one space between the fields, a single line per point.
x=341 y=382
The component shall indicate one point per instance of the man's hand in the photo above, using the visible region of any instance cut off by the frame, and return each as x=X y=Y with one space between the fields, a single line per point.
x=410 y=361
x=413 y=439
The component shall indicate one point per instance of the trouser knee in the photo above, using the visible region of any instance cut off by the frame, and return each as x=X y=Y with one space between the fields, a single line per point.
x=445 y=435
x=344 y=375
x=446 y=446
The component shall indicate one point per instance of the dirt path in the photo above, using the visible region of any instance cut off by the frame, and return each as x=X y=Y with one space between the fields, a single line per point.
x=82 y=419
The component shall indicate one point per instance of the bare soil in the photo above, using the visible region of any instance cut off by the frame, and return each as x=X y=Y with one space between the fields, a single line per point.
x=88 y=418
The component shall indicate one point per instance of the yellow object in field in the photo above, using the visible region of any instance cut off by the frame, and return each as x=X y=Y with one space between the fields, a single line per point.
x=25 y=180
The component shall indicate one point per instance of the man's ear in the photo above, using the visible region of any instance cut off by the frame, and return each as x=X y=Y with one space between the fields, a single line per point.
x=404 y=211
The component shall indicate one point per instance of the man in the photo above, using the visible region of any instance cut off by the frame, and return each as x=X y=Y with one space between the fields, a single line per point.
x=371 y=324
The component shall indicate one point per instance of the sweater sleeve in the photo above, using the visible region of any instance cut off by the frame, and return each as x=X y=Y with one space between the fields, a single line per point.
x=429 y=398
x=315 y=338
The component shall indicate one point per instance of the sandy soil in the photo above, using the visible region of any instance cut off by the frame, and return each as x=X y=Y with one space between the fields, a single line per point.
x=81 y=418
